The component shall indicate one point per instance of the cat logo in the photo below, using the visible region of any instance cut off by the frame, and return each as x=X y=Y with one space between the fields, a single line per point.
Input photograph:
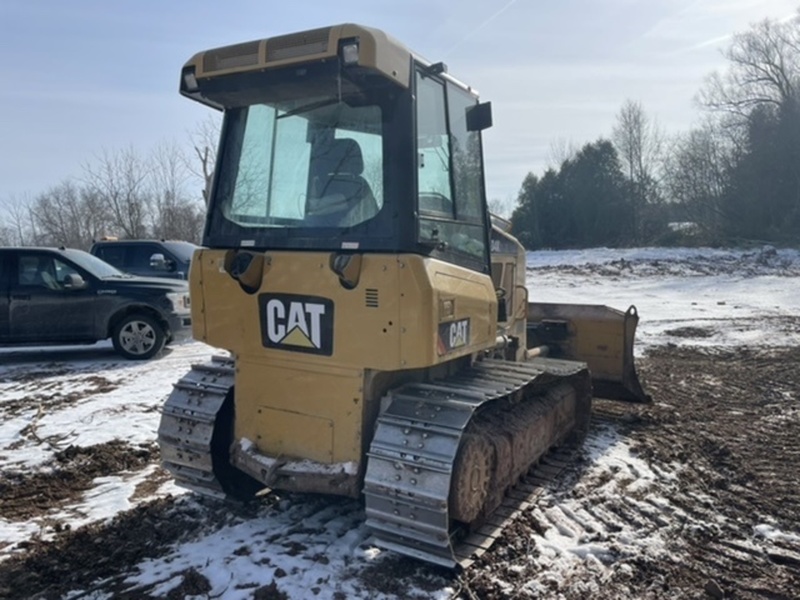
x=453 y=335
x=297 y=323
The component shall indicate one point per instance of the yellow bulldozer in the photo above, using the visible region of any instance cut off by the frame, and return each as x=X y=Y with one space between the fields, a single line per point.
x=381 y=340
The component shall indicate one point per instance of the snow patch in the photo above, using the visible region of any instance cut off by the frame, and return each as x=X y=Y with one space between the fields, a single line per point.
x=771 y=533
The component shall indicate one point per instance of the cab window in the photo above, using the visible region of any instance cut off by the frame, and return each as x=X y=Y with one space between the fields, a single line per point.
x=319 y=165
x=449 y=175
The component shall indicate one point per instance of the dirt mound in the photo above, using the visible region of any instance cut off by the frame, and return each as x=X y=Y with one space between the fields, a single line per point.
x=106 y=551
x=763 y=261
x=28 y=494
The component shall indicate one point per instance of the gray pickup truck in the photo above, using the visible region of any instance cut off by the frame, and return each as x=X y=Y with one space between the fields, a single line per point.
x=67 y=296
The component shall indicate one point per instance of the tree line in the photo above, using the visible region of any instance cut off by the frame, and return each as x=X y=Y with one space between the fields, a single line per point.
x=733 y=179
x=120 y=193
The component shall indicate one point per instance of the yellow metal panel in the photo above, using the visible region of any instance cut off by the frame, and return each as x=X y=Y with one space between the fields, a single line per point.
x=427 y=287
x=290 y=386
x=196 y=291
x=599 y=335
x=364 y=335
x=299 y=409
x=399 y=330
x=311 y=436
x=377 y=50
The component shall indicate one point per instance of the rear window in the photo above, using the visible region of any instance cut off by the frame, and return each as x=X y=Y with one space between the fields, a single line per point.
x=92 y=264
x=136 y=255
x=183 y=251
x=111 y=254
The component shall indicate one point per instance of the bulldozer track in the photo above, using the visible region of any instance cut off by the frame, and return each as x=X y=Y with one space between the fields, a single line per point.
x=410 y=462
x=187 y=425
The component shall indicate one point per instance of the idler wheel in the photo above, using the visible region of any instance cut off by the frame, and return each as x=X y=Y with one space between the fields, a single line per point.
x=472 y=473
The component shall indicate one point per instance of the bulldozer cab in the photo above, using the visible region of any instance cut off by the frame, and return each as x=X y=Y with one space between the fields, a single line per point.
x=342 y=140
x=318 y=157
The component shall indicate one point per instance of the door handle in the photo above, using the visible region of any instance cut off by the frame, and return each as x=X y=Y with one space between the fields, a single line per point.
x=20 y=296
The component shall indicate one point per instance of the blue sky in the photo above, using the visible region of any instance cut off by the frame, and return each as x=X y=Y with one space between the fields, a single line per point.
x=81 y=77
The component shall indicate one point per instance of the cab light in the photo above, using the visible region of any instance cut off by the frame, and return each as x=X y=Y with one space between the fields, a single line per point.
x=350 y=53
x=189 y=80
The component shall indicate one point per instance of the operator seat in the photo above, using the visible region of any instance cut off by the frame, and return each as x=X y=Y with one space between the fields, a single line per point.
x=340 y=196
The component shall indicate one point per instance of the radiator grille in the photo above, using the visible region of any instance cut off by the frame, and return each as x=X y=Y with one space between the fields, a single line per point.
x=240 y=55
x=371 y=296
x=296 y=45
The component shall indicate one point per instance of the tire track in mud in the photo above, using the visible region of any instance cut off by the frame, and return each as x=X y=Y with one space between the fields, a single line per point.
x=675 y=498
x=742 y=433
x=45 y=390
x=696 y=492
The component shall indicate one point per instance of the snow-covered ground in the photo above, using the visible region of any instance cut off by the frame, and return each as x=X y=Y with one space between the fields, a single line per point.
x=733 y=297
x=52 y=399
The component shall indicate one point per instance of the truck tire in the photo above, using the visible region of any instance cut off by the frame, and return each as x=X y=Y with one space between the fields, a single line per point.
x=138 y=337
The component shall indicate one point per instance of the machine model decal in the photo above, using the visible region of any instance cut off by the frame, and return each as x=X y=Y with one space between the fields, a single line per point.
x=297 y=323
x=453 y=335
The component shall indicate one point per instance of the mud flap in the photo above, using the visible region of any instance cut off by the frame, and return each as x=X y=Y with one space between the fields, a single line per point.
x=598 y=335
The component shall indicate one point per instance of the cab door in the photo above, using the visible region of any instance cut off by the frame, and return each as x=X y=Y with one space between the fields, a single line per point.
x=42 y=308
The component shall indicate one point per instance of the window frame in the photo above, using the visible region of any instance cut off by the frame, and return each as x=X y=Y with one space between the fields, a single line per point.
x=443 y=250
x=389 y=231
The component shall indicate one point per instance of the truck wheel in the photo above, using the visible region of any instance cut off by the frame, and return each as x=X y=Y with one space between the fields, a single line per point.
x=138 y=337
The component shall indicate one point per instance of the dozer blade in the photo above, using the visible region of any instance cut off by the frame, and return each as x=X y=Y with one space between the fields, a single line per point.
x=598 y=335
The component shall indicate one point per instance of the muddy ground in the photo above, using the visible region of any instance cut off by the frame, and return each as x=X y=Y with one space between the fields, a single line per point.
x=725 y=421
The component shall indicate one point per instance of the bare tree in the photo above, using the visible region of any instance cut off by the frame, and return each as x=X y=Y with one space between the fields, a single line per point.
x=764 y=70
x=639 y=143
x=17 y=226
x=697 y=176
x=758 y=100
x=561 y=150
x=68 y=215
x=120 y=182
x=501 y=208
x=174 y=214
x=204 y=144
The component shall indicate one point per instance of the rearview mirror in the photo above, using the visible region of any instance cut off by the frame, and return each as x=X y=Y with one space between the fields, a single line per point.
x=479 y=117
x=73 y=281
x=158 y=262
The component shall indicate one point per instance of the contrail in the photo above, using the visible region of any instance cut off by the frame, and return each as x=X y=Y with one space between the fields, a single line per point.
x=479 y=27
x=724 y=38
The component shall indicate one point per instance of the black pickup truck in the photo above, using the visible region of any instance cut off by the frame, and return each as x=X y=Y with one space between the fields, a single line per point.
x=67 y=296
x=147 y=258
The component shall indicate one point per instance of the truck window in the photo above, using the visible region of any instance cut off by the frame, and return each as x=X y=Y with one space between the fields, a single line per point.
x=112 y=254
x=43 y=271
x=138 y=258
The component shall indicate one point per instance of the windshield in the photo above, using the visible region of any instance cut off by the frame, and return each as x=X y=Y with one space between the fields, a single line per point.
x=314 y=162
x=182 y=250
x=92 y=264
